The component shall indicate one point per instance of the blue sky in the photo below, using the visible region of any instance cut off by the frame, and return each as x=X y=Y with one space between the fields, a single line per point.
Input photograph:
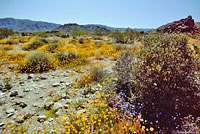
x=116 y=13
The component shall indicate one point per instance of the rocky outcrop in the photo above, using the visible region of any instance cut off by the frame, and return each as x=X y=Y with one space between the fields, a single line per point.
x=186 y=25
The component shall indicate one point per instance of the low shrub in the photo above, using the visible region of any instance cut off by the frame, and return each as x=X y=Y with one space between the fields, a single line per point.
x=52 y=47
x=38 y=61
x=35 y=44
x=97 y=73
x=6 y=47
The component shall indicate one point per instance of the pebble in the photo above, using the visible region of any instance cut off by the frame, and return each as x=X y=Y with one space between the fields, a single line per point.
x=48 y=105
x=30 y=76
x=57 y=106
x=2 y=124
x=10 y=110
x=42 y=118
x=13 y=93
x=55 y=84
x=44 y=77
x=20 y=119
x=26 y=90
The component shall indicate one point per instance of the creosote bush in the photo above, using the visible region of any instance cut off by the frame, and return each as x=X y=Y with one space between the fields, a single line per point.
x=52 y=47
x=35 y=44
x=167 y=76
x=38 y=61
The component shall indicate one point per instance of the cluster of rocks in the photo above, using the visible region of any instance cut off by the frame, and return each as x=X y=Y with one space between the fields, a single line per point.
x=38 y=92
x=186 y=25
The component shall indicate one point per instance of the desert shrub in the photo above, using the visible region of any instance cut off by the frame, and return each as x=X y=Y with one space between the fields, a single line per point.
x=120 y=47
x=123 y=69
x=97 y=73
x=6 y=47
x=62 y=57
x=167 y=81
x=4 y=32
x=52 y=47
x=12 y=41
x=35 y=44
x=41 y=34
x=38 y=61
x=49 y=40
x=73 y=41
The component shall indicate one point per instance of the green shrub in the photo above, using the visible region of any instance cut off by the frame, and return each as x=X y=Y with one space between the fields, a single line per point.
x=64 y=57
x=35 y=44
x=167 y=76
x=4 y=32
x=38 y=61
x=52 y=47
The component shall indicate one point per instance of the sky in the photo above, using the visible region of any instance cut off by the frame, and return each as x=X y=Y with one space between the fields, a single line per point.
x=116 y=13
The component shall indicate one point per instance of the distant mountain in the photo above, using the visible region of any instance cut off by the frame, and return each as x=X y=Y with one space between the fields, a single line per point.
x=25 y=25
x=67 y=28
x=112 y=29
x=91 y=27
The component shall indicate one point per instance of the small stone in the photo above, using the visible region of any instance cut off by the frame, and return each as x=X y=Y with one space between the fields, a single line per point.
x=55 y=84
x=39 y=105
x=2 y=124
x=44 y=77
x=23 y=105
x=13 y=93
x=68 y=101
x=20 y=119
x=18 y=102
x=64 y=96
x=48 y=105
x=21 y=96
x=67 y=84
x=1 y=87
x=26 y=90
x=2 y=95
x=9 y=115
x=21 y=83
x=84 y=91
x=2 y=101
x=36 y=79
x=42 y=118
x=66 y=74
x=57 y=106
x=4 y=90
x=50 y=119
x=59 y=112
x=62 y=81
x=30 y=76
x=10 y=110
x=99 y=86
x=28 y=115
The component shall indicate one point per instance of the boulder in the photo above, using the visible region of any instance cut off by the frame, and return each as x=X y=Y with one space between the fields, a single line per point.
x=186 y=25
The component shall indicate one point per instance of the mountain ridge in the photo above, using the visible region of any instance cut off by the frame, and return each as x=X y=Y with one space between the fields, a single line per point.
x=28 y=25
